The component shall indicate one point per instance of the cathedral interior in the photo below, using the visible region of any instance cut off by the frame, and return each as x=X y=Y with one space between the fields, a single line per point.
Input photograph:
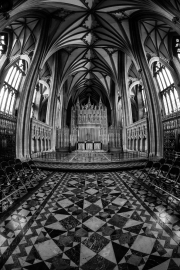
x=90 y=134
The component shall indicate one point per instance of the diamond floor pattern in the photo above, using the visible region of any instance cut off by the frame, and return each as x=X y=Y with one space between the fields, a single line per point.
x=87 y=221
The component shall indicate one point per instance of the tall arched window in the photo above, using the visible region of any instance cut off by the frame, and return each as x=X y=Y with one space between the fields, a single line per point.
x=144 y=99
x=3 y=43
x=11 y=86
x=168 y=92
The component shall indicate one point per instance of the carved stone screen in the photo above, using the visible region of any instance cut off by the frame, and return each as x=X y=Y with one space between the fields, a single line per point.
x=89 y=125
x=89 y=133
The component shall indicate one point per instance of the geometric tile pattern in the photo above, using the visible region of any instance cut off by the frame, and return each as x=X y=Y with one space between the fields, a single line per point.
x=86 y=221
x=9 y=202
x=165 y=212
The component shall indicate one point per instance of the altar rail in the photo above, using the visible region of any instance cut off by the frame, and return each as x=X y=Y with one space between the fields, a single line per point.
x=84 y=157
x=41 y=136
x=136 y=135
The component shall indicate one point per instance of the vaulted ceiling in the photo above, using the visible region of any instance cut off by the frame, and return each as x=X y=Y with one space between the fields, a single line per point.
x=91 y=33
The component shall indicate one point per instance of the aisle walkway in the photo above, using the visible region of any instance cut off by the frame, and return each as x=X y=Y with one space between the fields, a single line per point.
x=87 y=221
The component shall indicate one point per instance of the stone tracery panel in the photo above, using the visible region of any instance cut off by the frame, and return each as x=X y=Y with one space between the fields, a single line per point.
x=89 y=123
x=171 y=129
x=7 y=136
x=136 y=135
x=41 y=136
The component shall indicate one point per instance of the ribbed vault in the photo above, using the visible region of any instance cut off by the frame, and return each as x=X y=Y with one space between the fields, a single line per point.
x=90 y=33
x=78 y=49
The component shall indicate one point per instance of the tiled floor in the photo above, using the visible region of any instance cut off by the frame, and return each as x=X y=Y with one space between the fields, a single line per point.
x=164 y=212
x=91 y=157
x=89 y=221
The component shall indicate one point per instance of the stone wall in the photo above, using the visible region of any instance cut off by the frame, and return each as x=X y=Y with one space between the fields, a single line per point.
x=41 y=136
x=115 y=138
x=62 y=139
x=136 y=136
x=171 y=131
x=89 y=123
x=7 y=136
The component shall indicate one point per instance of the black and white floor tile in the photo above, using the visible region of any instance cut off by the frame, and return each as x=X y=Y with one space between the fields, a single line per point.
x=88 y=221
x=159 y=205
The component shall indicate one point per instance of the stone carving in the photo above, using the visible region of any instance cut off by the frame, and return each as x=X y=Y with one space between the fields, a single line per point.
x=90 y=121
x=41 y=136
x=137 y=136
x=61 y=14
x=91 y=22
x=90 y=38
x=7 y=135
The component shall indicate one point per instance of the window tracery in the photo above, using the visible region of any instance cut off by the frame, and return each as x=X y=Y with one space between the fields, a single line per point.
x=3 y=43
x=11 y=85
x=167 y=89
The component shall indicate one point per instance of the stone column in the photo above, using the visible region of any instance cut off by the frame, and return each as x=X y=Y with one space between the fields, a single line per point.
x=36 y=101
x=140 y=103
x=126 y=105
x=155 y=130
x=24 y=110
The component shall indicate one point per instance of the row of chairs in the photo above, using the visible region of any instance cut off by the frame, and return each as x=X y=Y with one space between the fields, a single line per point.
x=16 y=178
x=164 y=175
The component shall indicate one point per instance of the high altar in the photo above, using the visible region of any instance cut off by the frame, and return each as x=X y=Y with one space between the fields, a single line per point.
x=89 y=126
